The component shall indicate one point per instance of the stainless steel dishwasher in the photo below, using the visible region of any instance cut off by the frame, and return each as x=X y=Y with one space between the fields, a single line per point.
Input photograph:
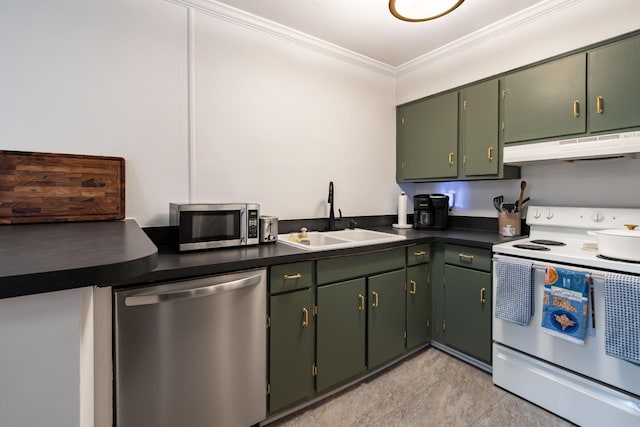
x=192 y=353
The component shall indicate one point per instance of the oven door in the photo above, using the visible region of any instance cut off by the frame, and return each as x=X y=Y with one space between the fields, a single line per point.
x=213 y=226
x=589 y=359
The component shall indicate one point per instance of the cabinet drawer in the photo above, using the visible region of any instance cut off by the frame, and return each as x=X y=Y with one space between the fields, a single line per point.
x=465 y=256
x=289 y=277
x=418 y=254
x=345 y=267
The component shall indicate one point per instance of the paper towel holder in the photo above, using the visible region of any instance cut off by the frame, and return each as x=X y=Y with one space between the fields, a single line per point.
x=402 y=212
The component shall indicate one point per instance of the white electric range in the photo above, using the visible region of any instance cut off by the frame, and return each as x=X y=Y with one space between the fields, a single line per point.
x=578 y=382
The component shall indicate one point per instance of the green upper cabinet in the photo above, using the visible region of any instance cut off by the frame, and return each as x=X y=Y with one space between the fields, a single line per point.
x=546 y=101
x=386 y=324
x=614 y=86
x=427 y=139
x=479 y=129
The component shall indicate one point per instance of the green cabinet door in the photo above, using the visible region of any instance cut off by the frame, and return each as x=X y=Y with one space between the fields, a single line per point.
x=386 y=323
x=614 y=86
x=291 y=351
x=428 y=138
x=341 y=329
x=480 y=123
x=418 y=305
x=546 y=101
x=467 y=300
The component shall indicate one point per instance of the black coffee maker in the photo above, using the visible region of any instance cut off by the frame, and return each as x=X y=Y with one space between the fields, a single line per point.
x=430 y=211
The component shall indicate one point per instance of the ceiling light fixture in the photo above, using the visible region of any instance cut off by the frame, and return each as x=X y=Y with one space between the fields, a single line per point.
x=422 y=10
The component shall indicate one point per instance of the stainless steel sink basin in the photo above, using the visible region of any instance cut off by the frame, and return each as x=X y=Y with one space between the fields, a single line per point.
x=327 y=240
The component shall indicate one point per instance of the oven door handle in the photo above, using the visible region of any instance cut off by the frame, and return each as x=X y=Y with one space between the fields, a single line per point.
x=203 y=291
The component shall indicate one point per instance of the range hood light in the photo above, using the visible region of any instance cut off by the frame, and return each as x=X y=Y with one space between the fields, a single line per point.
x=422 y=10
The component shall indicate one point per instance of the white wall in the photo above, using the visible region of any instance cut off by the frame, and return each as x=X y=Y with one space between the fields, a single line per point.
x=233 y=114
x=598 y=183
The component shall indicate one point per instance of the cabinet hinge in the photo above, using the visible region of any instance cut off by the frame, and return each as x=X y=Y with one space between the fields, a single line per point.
x=464 y=159
x=268 y=322
x=315 y=310
x=464 y=104
x=502 y=126
x=402 y=120
x=504 y=93
x=444 y=325
x=405 y=286
x=428 y=323
x=268 y=389
x=314 y=370
x=405 y=335
x=402 y=166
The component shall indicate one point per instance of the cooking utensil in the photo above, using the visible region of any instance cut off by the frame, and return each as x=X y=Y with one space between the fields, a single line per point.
x=497 y=203
x=523 y=202
x=523 y=185
x=509 y=207
x=619 y=243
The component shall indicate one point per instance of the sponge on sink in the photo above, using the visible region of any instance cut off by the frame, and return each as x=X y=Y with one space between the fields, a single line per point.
x=294 y=238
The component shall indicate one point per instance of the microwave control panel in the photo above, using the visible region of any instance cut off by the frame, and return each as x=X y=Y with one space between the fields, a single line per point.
x=253 y=224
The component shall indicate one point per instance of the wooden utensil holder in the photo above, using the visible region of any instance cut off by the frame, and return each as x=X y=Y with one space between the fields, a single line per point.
x=513 y=219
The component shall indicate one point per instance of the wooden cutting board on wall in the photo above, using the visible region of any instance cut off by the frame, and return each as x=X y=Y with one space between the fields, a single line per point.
x=47 y=187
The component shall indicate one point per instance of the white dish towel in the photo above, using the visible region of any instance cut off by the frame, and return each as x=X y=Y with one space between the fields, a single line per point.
x=622 y=316
x=514 y=291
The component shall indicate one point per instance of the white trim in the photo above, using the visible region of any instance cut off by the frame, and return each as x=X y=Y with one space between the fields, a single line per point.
x=517 y=20
x=253 y=22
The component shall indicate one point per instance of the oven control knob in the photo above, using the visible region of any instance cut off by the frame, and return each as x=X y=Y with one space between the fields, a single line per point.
x=549 y=214
x=597 y=217
x=536 y=213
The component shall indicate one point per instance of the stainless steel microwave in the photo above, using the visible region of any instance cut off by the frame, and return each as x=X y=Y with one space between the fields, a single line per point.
x=213 y=225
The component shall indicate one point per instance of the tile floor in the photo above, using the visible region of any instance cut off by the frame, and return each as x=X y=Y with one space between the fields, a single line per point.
x=428 y=389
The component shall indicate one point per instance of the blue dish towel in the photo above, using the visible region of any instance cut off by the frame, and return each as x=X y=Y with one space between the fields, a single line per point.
x=514 y=291
x=566 y=303
x=622 y=316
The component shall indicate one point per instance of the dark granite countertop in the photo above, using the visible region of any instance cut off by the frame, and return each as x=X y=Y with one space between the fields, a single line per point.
x=37 y=258
x=173 y=265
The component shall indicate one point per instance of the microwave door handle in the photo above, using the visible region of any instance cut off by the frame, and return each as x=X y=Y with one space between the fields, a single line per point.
x=243 y=226
x=203 y=291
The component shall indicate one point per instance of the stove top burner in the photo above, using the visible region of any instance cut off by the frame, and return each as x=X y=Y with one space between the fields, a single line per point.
x=608 y=258
x=547 y=242
x=531 y=247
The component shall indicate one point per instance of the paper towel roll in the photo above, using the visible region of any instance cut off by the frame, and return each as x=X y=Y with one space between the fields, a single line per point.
x=402 y=209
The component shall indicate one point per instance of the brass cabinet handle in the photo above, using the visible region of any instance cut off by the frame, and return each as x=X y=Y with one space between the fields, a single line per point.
x=293 y=276
x=599 y=106
x=413 y=288
x=490 y=153
x=361 y=302
x=576 y=108
x=420 y=253
x=482 y=292
x=305 y=318
x=450 y=159
x=376 y=299
x=465 y=257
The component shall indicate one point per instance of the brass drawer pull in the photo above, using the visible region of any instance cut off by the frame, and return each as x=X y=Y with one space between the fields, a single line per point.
x=482 y=297
x=413 y=288
x=376 y=299
x=293 y=276
x=360 y=302
x=465 y=257
x=305 y=318
x=576 y=108
x=599 y=105
x=420 y=253
x=450 y=159
x=490 y=153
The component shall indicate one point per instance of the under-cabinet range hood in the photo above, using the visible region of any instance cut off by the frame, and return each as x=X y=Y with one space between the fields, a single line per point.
x=589 y=147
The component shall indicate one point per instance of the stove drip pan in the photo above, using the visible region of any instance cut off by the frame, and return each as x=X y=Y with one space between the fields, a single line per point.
x=547 y=242
x=531 y=247
x=608 y=258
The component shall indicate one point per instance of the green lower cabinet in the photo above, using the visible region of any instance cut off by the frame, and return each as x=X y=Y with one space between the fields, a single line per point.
x=418 y=305
x=291 y=349
x=341 y=329
x=386 y=323
x=467 y=301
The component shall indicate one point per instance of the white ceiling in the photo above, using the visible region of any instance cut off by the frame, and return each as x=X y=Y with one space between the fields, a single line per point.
x=366 y=27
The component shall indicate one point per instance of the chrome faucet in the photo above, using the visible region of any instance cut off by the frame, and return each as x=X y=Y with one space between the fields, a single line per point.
x=332 y=216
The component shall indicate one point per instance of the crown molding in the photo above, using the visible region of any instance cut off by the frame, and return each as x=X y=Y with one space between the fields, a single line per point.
x=256 y=23
x=517 y=20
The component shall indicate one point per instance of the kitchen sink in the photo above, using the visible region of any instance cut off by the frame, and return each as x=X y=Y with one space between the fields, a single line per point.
x=327 y=240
